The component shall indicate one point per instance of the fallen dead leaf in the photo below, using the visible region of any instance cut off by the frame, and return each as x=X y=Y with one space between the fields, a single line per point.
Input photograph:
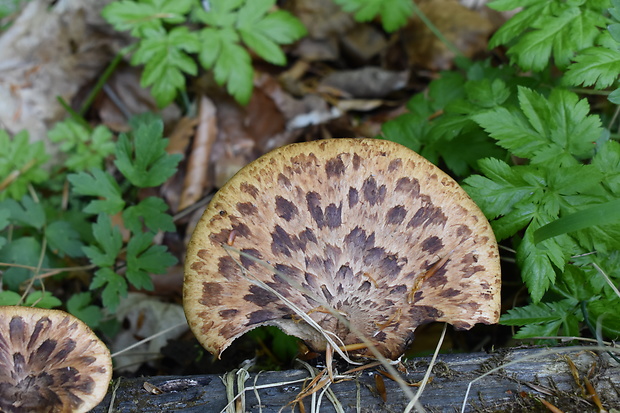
x=197 y=172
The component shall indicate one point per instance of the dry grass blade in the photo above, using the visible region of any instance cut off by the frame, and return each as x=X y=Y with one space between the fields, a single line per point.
x=147 y=339
x=414 y=402
x=385 y=362
x=607 y=279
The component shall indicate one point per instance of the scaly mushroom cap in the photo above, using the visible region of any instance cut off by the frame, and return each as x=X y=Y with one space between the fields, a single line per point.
x=50 y=362
x=368 y=226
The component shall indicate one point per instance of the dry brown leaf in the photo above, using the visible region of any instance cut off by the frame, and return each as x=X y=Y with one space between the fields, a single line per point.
x=197 y=177
x=367 y=82
x=363 y=42
x=51 y=51
x=181 y=134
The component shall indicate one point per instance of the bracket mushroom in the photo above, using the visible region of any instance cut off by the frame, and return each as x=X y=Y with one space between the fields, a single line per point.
x=50 y=362
x=363 y=227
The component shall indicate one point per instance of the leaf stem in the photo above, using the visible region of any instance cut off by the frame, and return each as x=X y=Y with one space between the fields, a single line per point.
x=435 y=30
x=102 y=80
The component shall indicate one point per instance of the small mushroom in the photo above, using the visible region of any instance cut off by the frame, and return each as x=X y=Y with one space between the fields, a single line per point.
x=366 y=227
x=50 y=362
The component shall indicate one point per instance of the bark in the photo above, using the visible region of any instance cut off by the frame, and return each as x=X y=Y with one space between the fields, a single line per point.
x=537 y=374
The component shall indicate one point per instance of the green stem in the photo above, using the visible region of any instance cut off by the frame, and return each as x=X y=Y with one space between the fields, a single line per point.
x=104 y=78
x=76 y=116
x=435 y=30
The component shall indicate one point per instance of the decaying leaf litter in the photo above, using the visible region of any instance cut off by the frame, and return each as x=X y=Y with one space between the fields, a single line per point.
x=344 y=79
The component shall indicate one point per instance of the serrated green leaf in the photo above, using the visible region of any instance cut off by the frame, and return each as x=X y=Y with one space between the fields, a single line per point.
x=138 y=16
x=537 y=262
x=614 y=31
x=211 y=46
x=607 y=161
x=63 y=239
x=108 y=238
x=548 y=131
x=114 y=287
x=221 y=13
x=596 y=66
x=263 y=46
x=144 y=258
x=502 y=188
x=150 y=212
x=20 y=164
x=281 y=27
x=166 y=59
x=252 y=12
x=605 y=312
x=550 y=29
x=527 y=17
x=575 y=284
x=512 y=131
x=394 y=13
x=537 y=313
x=42 y=300
x=98 y=184
x=85 y=149
x=234 y=68
x=487 y=93
x=26 y=213
x=143 y=160
x=80 y=306
x=614 y=97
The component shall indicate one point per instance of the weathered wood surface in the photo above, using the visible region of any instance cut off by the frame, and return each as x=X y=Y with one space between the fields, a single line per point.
x=547 y=373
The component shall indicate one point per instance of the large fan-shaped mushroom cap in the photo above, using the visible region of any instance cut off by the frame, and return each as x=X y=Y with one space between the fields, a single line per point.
x=368 y=227
x=50 y=362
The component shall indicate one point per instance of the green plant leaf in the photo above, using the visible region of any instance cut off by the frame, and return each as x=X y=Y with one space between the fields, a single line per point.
x=537 y=262
x=595 y=66
x=602 y=214
x=150 y=212
x=549 y=29
x=502 y=188
x=85 y=149
x=394 y=13
x=555 y=130
x=281 y=27
x=9 y=298
x=114 y=287
x=26 y=213
x=139 y=16
x=605 y=312
x=63 y=239
x=98 y=184
x=231 y=63
x=545 y=319
x=165 y=58
x=22 y=251
x=143 y=159
x=144 y=258
x=80 y=306
x=4 y=222
x=42 y=300
x=607 y=161
x=108 y=238
x=20 y=164
x=537 y=313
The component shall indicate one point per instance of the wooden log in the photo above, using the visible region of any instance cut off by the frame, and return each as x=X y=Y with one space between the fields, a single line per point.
x=536 y=374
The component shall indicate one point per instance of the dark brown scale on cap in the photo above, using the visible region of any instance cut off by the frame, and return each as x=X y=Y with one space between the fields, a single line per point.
x=367 y=227
x=50 y=362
